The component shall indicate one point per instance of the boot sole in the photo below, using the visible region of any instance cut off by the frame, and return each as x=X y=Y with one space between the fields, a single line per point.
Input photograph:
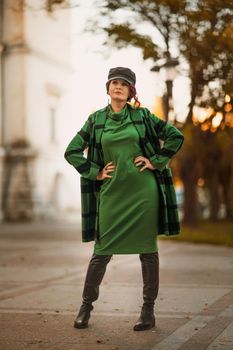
x=143 y=328
x=80 y=326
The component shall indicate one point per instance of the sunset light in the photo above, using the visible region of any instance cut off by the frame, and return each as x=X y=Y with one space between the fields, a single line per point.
x=217 y=120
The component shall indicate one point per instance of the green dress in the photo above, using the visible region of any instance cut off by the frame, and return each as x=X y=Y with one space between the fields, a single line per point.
x=128 y=202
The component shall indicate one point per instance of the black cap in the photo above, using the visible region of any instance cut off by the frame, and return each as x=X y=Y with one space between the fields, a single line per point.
x=122 y=73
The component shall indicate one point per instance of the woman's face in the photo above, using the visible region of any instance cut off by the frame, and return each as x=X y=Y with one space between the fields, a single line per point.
x=118 y=90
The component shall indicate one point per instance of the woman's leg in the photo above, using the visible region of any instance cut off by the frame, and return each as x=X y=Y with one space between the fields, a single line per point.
x=95 y=273
x=150 y=275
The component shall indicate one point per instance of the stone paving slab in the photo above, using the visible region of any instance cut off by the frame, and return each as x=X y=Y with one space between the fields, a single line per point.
x=116 y=297
x=223 y=341
x=55 y=331
x=206 y=335
x=42 y=270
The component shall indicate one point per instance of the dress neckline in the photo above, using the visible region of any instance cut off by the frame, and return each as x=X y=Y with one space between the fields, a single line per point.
x=119 y=116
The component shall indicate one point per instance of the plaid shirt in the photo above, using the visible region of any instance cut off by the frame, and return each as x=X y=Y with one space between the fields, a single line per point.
x=151 y=129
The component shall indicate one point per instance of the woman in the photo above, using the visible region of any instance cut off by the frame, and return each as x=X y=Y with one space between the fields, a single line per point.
x=123 y=180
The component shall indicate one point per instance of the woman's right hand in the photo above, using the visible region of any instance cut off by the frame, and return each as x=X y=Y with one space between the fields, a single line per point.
x=103 y=174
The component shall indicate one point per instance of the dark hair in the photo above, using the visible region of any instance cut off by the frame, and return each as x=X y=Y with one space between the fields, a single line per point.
x=132 y=94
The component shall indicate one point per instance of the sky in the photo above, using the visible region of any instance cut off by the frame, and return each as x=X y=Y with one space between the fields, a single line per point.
x=91 y=62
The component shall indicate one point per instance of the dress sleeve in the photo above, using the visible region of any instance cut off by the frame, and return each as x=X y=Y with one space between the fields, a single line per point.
x=74 y=153
x=173 y=140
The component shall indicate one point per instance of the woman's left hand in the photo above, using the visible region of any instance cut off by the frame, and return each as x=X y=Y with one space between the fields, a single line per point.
x=140 y=160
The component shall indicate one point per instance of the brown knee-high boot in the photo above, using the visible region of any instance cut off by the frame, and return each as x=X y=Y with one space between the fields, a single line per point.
x=150 y=275
x=95 y=273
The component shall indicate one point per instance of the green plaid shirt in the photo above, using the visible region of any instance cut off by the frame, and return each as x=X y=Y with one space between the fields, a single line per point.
x=151 y=129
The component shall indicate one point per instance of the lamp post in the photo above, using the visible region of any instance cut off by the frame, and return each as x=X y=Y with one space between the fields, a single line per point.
x=170 y=71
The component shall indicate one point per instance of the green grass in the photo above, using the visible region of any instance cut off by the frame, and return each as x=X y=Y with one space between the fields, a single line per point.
x=220 y=233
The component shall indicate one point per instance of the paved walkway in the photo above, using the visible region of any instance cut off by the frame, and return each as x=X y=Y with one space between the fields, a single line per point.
x=42 y=273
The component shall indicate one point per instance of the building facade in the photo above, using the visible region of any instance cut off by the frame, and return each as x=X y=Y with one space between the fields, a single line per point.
x=35 y=74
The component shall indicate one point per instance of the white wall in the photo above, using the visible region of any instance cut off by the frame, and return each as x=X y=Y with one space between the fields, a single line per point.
x=47 y=84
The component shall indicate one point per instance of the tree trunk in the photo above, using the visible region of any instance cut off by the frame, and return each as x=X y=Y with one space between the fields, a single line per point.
x=190 y=201
x=227 y=183
x=213 y=185
x=189 y=175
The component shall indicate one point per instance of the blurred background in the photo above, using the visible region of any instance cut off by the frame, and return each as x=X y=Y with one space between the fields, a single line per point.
x=54 y=60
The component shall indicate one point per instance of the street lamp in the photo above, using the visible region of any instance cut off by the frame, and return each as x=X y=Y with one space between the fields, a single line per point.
x=170 y=71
